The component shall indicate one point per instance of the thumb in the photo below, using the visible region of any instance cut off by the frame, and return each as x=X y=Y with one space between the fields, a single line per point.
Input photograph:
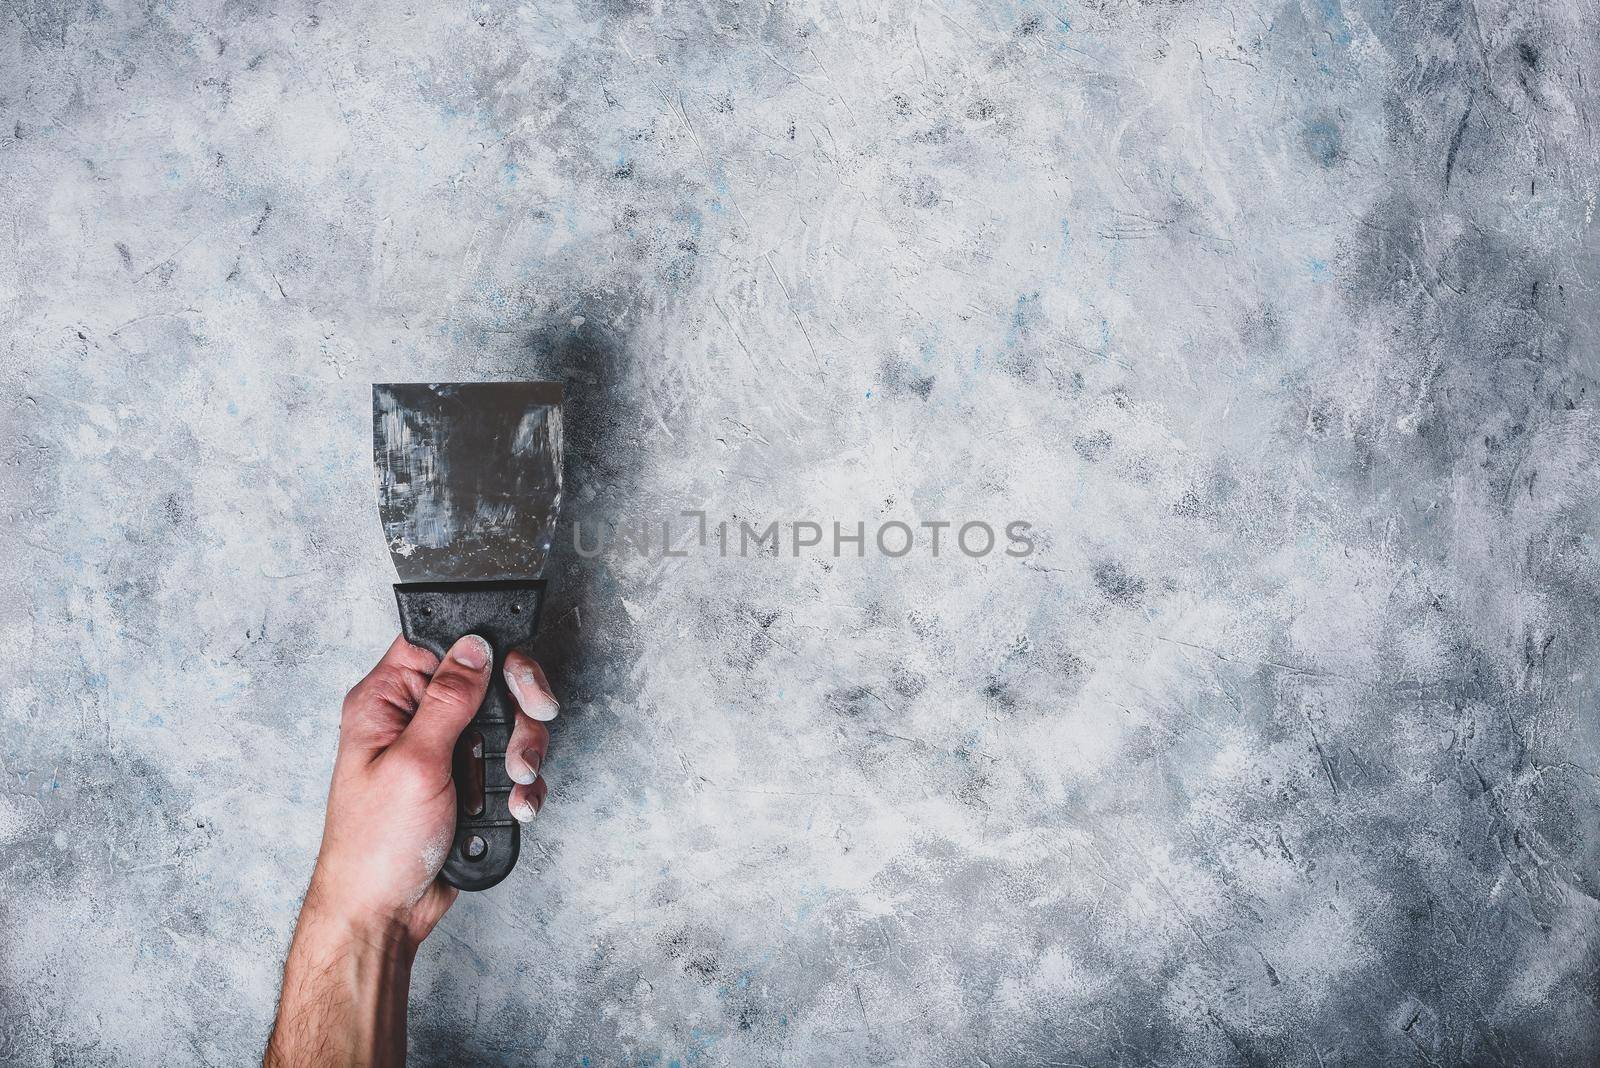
x=450 y=701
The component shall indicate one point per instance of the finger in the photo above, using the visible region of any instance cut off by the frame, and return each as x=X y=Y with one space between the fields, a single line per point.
x=527 y=799
x=399 y=678
x=525 y=752
x=411 y=657
x=450 y=701
x=530 y=687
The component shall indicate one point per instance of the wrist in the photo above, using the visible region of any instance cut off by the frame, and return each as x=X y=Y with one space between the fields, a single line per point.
x=334 y=919
x=344 y=987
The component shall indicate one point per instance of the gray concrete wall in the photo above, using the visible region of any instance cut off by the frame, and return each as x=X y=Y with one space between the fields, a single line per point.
x=1276 y=320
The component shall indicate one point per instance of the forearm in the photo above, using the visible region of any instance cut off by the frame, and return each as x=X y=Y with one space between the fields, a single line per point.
x=344 y=993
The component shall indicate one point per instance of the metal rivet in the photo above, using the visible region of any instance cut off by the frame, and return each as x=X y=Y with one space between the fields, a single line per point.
x=476 y=847
x=516 y=609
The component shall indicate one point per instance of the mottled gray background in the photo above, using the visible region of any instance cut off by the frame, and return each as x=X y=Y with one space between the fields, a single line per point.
x=1277 y=320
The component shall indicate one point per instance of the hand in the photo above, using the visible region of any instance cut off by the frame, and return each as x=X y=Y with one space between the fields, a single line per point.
x=374 y=894
x=392 y=805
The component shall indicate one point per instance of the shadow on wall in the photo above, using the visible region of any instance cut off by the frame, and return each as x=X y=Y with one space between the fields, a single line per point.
x=585 y=643
x=585 y=625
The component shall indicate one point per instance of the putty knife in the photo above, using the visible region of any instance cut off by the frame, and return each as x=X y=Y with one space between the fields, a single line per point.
x=469 y=483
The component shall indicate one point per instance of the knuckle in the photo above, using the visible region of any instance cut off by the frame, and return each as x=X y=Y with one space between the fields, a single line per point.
x=383 y=686
x=353 y=700
x=390 y=685
x=455 y=688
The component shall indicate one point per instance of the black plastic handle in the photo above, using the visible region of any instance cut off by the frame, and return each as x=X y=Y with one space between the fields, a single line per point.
x=435 y=615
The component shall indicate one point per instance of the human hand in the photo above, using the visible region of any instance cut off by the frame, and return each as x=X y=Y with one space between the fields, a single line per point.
x=375 y=893
x=392 y=804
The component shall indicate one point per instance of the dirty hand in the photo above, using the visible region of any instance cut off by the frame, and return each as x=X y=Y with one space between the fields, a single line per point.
x=375 y=895
x=392 y=805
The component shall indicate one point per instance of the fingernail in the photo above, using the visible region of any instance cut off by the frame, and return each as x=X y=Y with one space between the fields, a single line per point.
x=530 y=769
x=472 y=652
x=524 y=811
x=532 y=699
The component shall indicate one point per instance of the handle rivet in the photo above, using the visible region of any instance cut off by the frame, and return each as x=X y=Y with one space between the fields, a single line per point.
x=476 y=847
x=516 y=609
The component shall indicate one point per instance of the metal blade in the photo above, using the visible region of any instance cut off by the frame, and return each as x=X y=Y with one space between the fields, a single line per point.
x=469 y=477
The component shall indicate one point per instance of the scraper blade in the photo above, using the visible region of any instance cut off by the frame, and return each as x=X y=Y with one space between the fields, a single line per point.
x=469 y=477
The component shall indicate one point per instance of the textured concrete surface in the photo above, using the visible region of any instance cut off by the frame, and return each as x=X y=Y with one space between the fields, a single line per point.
x=1277 y=321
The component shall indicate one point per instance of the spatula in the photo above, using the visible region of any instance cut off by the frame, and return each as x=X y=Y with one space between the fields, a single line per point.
x=469 y=483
